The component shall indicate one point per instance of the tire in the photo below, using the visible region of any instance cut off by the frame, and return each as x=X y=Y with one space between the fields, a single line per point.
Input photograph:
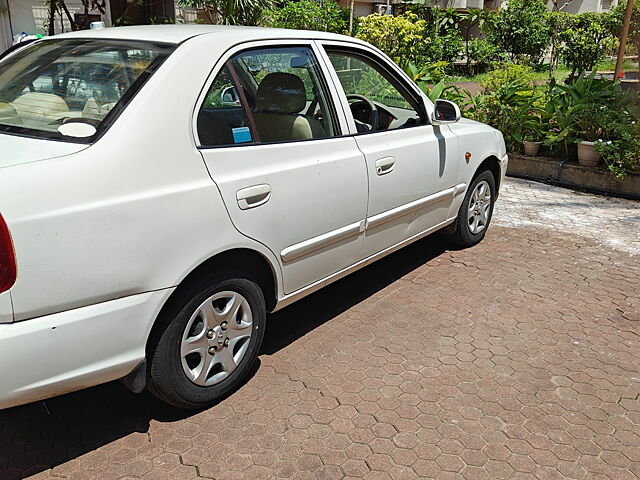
x=194 y=359
x=467 y=232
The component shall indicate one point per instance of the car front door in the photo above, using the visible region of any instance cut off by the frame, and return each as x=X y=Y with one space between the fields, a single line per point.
x=412 y=166
x=273 y=143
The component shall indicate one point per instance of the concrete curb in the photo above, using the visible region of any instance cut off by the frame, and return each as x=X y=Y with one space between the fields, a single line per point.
x=571 y=175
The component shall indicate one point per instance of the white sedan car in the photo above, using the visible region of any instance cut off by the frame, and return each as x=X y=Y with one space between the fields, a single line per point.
x=164 y=187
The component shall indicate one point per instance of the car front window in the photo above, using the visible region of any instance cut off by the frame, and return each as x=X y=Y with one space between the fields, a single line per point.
x=48 y=87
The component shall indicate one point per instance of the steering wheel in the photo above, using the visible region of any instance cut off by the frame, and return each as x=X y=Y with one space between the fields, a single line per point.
x=374 y=117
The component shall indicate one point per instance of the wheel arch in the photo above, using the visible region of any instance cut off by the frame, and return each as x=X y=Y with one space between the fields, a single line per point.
x=244 y=261
x=491 y=163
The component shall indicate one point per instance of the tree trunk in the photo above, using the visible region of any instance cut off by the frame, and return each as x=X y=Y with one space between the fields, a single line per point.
x=351 y=4
x=52 y=17
x=72 y=22
x=638 y=53
x=123 y=13
x=85 y=19
x=466 y=48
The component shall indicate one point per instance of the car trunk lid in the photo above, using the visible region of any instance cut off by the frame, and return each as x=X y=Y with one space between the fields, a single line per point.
x=16 y=149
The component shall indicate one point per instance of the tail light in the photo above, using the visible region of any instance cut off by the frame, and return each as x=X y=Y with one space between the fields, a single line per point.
x=7 y=258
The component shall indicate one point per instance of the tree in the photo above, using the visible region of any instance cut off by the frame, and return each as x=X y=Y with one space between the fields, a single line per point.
x=522 y=30
x=473 y=17
x=587 y=38
x=634 y=29
x=60 y=7
x=401 y=37
x=230 y=12
x=99 y=5
x=327 y=16
x=558 y=22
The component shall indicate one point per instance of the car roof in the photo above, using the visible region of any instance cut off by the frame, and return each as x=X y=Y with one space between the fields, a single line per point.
x=176 y=34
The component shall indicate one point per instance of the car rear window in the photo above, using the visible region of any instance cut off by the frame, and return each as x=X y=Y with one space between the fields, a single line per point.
x=72 y=89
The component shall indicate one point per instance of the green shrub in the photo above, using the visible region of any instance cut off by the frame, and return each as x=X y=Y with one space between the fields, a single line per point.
x=401 y=37
x=617 y=16
x=587 y=39
x=443 y=47
x=484 y=53
x=622 y=155
x=227 y=12
x=505 y=73
x=522 y=30
x=327 y=16
x=511 y=107
x=565 y=101
x=437 y=71
x=597 y=122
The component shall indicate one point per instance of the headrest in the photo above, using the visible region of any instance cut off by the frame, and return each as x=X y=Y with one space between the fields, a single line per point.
x=39 y=105
x=282 y=93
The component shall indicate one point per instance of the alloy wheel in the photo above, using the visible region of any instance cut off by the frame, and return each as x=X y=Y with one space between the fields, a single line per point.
x=216 y=338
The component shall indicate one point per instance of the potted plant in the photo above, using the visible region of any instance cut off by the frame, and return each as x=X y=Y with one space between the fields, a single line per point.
x=588 y=123
x=532 y=143
x=533 y=129
x=588 y=156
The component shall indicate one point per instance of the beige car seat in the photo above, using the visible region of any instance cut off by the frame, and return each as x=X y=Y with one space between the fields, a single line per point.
x=92 y=109
x=279 y=100
x=39 y=106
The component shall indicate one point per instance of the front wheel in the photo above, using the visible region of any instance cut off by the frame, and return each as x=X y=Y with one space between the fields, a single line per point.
x=209 y=342
x=475 y=213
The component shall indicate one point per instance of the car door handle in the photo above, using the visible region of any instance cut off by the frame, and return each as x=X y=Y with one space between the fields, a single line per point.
x=385 y=165
x=254 y=196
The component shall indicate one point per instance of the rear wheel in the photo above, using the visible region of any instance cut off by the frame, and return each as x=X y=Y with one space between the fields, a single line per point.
x=475 y=213
x=208 y=342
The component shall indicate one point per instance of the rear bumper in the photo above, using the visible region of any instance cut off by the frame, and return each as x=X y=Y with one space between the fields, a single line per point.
x=63 y=352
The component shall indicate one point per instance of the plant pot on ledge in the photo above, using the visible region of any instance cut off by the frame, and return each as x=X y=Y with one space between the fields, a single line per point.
x=587 y=155
x=531 y=148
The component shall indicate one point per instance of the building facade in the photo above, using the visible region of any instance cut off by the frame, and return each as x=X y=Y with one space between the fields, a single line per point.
x=32 y=17
x=580 y=6
x=367 y=7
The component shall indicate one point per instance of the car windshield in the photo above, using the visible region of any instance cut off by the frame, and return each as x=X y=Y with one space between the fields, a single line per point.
x=68 y=89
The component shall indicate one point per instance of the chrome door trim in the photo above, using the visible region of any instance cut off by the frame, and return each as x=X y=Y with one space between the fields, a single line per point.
x=310 y=245
x=316 y=243
x=309 y=289
x=379 y=219
x=460 y=188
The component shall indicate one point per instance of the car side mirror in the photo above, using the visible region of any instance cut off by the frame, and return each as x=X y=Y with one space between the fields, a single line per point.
x=445 y=112
x=229 y=97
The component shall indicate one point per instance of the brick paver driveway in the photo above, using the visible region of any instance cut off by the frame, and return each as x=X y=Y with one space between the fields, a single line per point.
x=518 y=359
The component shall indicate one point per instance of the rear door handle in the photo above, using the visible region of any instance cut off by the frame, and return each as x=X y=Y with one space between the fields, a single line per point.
x=385 y=165
x=254 y=196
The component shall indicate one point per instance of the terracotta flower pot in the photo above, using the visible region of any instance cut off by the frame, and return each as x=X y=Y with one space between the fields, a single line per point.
x=531 y=148
x=587 y=155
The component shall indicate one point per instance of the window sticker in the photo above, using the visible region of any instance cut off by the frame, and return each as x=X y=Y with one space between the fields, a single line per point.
x=241 y=135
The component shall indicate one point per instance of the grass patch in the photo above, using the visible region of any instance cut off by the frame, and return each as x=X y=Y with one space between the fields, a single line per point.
x=560 y=74
x=610 y=66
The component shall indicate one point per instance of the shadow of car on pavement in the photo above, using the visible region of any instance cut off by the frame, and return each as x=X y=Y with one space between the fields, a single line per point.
x=42 y=435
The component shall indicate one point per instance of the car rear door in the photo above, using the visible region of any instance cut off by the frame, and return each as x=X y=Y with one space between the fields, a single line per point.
x=289 y=177
x=412 y=166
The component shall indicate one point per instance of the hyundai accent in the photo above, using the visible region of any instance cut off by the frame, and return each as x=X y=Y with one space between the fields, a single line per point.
x=165 y=187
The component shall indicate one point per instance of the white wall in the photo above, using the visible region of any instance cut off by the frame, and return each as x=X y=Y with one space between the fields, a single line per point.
x=580 y=6
x=569 y=6
x=30 y=15
x=5 y=26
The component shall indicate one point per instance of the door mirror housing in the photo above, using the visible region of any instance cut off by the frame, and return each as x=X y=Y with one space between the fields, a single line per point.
x=445 y=112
